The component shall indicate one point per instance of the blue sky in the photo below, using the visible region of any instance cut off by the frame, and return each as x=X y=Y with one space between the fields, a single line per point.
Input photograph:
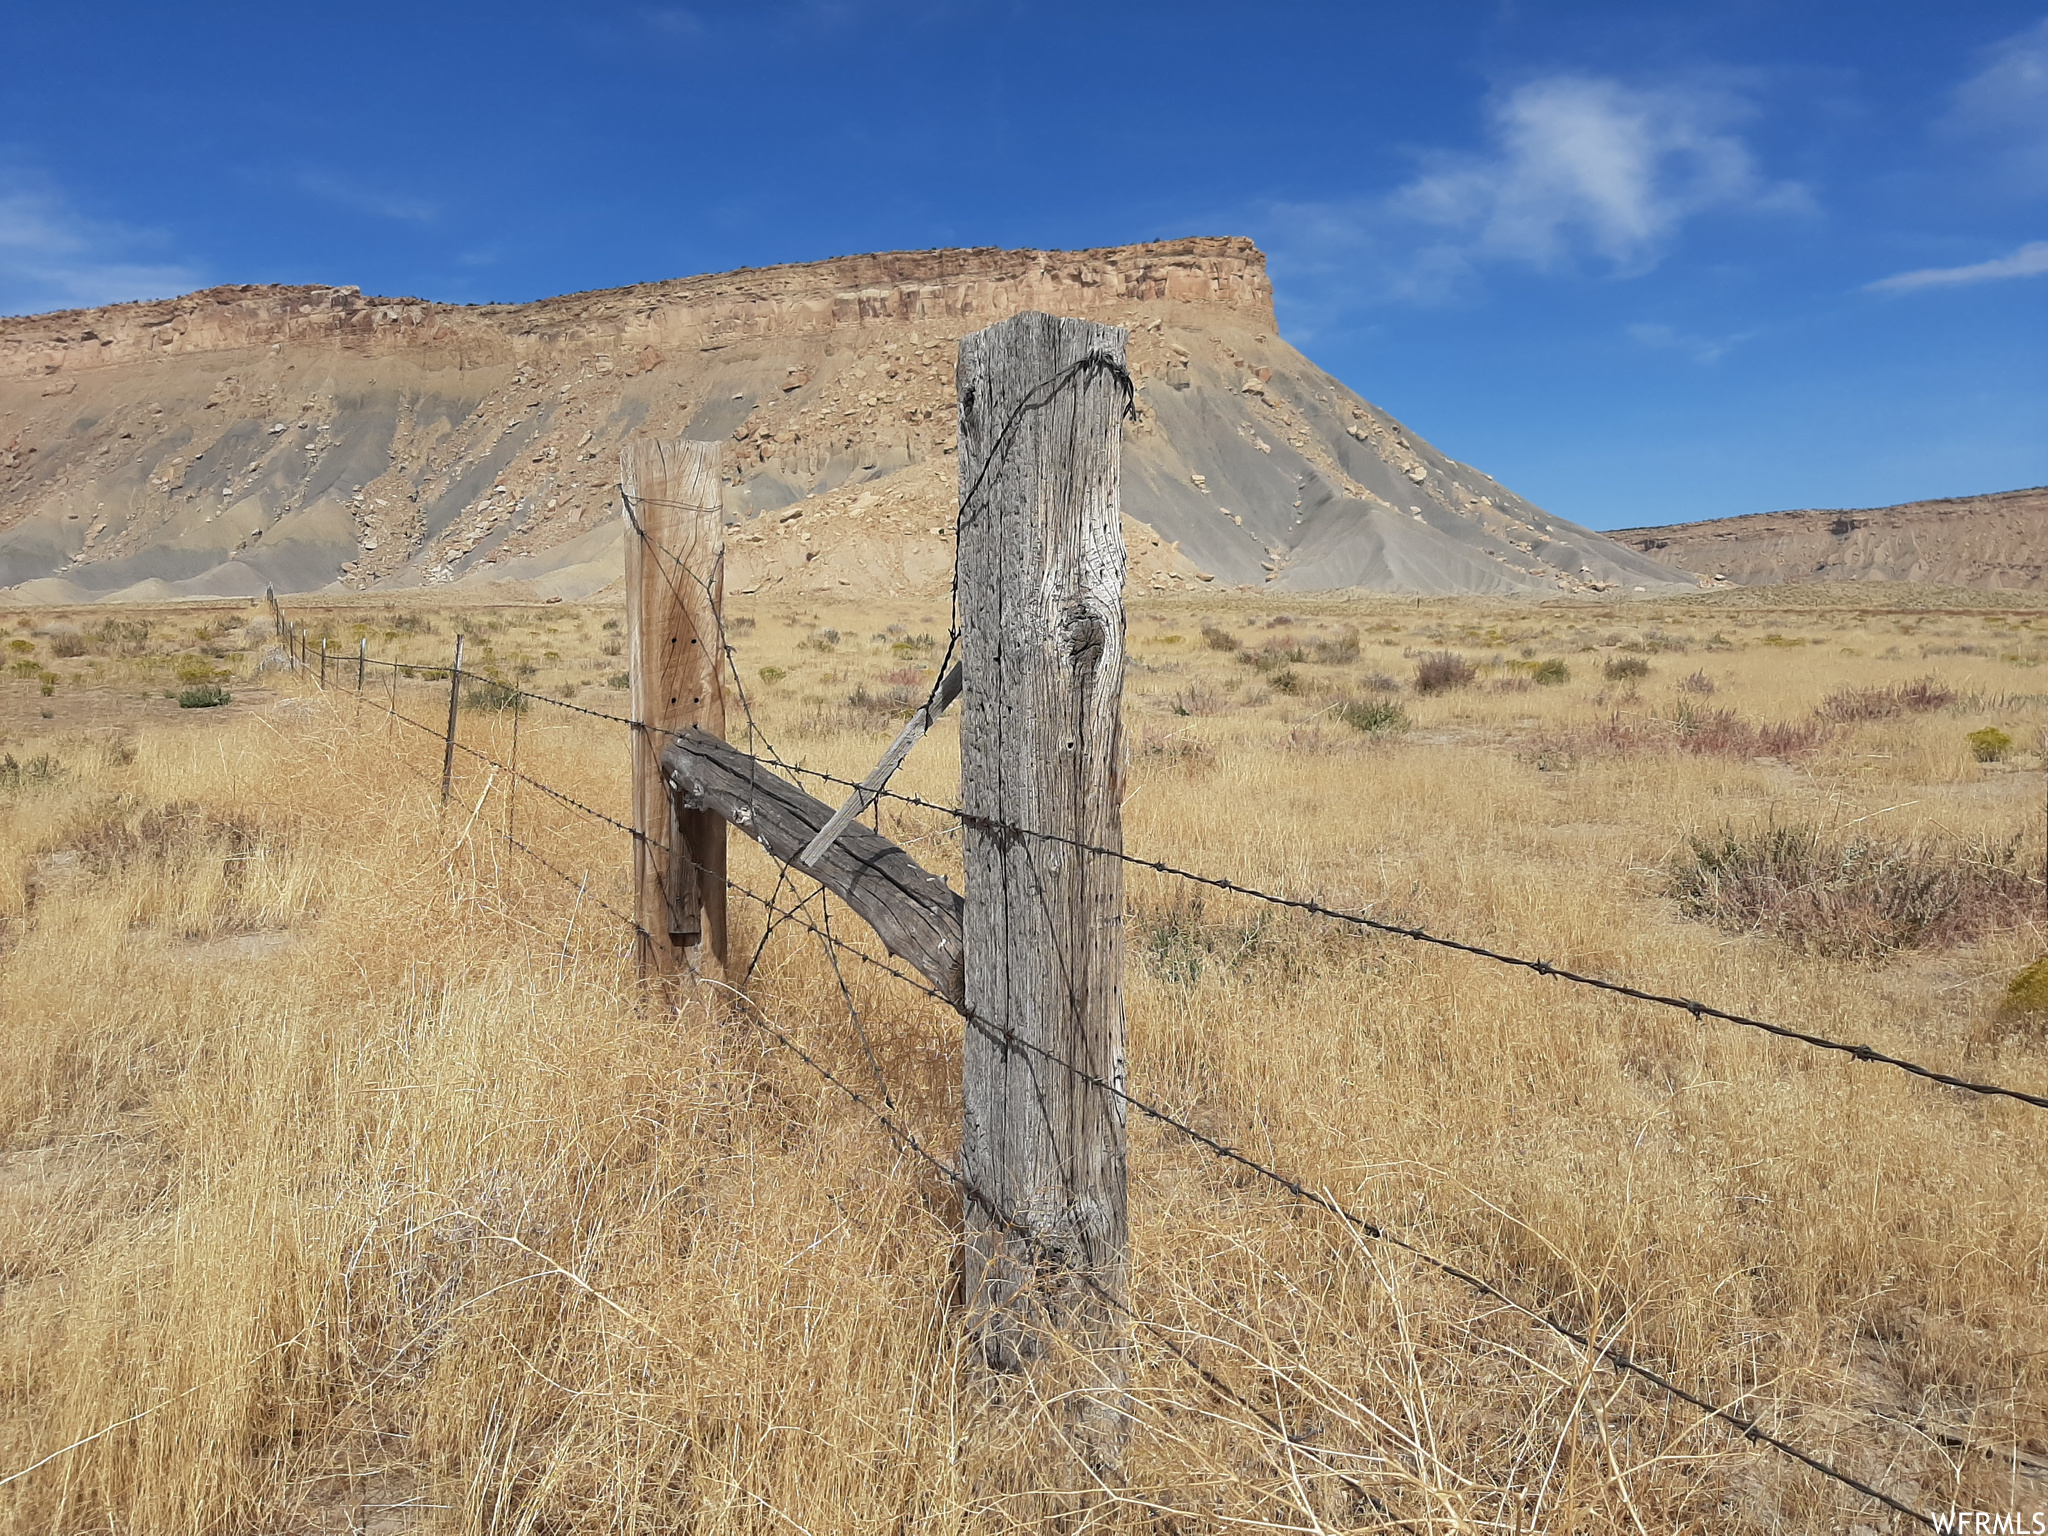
x=1642 y=262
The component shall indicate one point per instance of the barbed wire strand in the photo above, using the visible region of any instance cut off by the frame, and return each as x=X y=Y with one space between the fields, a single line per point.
x=1697 y=1009
x=1741 y=1422
x=1622 y=1362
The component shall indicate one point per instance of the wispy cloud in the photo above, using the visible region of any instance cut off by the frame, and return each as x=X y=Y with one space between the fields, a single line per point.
x=376 y=201
x=2030 y=260
x=2004 y=106
x=53 y=257
x=1701 y=349
x=672 y=21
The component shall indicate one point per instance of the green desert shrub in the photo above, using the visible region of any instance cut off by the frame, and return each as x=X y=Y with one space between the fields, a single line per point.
x=1220 y=639
x=493 y=694
x=1990 y=745
x=1551 y=673
x=1373 y=716
x=1625 y=668
x=202 y=696
x=2028 y=993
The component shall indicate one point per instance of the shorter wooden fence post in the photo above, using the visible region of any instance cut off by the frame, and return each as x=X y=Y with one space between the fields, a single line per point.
x=323 y=663
x=675 y=662
x=362 y=659
x=454 y=699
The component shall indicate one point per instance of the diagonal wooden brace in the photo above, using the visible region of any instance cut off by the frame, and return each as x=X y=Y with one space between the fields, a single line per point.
x=871 y=786
x=915 y=913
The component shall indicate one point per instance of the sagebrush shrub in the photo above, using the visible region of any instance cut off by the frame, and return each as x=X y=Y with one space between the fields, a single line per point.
x=490 y=693
x=1441 y=671
x=1835 y=893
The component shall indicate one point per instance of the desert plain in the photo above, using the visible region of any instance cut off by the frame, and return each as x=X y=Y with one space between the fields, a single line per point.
x=350 y=1182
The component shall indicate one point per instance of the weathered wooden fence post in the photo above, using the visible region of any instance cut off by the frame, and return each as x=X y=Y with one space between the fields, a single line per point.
x=675 y=594
x=362 y=659
x=1041 y=574
x=323 y=663
x=454 y=701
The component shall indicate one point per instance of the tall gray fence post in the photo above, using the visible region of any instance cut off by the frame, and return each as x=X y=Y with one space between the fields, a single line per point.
x=1041 y=575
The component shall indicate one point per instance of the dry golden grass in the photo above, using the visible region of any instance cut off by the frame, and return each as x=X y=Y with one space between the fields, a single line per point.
x=347 y=1183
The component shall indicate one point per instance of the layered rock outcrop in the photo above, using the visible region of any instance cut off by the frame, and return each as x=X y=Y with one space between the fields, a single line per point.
x=1995 y=543
x=310 y=437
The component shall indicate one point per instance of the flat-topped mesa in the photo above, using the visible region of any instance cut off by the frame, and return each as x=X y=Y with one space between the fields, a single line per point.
x=1223 y=279
x=306 y=437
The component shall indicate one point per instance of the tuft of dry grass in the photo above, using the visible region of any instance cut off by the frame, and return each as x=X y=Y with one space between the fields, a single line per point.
x=1920 y=696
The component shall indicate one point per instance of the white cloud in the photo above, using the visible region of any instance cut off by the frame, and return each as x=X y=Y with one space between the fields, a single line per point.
x=1577 y=170
x=2030 y=260
x=1581 y=166
x=53 y=258
x=2005 y=105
